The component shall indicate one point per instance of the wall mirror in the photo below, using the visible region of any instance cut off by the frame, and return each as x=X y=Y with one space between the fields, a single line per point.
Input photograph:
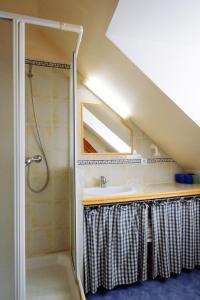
x=103 y=131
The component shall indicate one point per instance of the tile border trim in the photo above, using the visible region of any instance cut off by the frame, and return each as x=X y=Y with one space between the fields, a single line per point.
x=108 y=161
x=127 y=161
x=160 y=160
x=48 y=64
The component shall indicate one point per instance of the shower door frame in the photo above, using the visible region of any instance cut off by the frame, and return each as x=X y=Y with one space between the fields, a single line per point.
x=19 y=22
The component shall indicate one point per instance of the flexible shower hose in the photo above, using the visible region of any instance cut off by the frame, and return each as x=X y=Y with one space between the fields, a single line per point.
x=39 y=143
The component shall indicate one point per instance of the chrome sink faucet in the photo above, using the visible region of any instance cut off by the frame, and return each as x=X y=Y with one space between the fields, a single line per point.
x=103 y=181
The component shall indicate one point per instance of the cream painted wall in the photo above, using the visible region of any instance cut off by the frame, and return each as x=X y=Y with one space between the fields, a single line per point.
x=29 y=8
x=48 y=212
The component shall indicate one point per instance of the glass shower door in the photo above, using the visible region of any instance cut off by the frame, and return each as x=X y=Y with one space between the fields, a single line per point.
x=72 y=157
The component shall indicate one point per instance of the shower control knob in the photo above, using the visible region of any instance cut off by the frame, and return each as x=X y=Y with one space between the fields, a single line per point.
x=36 y=158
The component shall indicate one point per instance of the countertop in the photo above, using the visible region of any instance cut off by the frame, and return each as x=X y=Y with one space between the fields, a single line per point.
x=148 y=192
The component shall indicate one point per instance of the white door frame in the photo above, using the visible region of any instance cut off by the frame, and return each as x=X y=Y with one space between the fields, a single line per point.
x=19 y=22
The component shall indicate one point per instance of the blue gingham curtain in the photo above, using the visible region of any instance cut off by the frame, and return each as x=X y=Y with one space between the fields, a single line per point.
x=175 y=236
x=115 y=245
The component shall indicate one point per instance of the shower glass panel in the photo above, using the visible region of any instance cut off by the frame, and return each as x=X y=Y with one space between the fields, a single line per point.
x=50 y=86
x=7 y=270
x=72 y=157
x=47 y=196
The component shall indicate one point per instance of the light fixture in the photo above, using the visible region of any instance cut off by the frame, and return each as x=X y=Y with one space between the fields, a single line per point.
x=109 y=97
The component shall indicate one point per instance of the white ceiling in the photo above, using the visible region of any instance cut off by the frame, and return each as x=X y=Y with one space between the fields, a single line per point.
x=174 y=21
x=163 y=38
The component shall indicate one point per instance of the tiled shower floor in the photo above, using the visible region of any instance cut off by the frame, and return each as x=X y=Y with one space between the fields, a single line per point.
x=51 y=278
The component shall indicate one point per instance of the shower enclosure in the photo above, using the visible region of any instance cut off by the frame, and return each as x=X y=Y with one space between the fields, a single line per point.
x=12 y=168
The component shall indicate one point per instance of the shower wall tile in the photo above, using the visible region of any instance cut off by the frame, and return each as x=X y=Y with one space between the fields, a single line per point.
x=44 y=110
x=60 y=188
x=60 y=111
x=46 y=195
x=28 y=217
x=39 y=170
x=59 y=138
x=60 y=158
x=40 y=241
x=42 y=85
x=27 y=242
x=59 y=213
x=41 y=214
x=60 y=238
x=60 y=86
x=46 y=133
x=46 y=138
x=47 y=213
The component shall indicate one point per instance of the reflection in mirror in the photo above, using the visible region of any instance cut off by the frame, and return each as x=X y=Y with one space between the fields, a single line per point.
x=103 y=131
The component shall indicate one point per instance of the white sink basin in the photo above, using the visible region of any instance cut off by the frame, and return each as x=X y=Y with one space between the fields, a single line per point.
x=108 y=191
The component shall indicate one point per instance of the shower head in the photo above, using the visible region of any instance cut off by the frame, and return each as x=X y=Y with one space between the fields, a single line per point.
x=30 y=74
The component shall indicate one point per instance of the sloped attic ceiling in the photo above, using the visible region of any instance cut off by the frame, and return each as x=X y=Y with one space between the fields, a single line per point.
x=163 y=40
x=150 y=108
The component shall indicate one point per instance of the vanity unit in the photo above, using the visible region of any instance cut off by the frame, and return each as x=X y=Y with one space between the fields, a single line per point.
x=127 y=233
x=123 y=194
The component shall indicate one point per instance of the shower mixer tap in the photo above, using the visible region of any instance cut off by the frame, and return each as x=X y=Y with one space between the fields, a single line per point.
x=36 y=158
